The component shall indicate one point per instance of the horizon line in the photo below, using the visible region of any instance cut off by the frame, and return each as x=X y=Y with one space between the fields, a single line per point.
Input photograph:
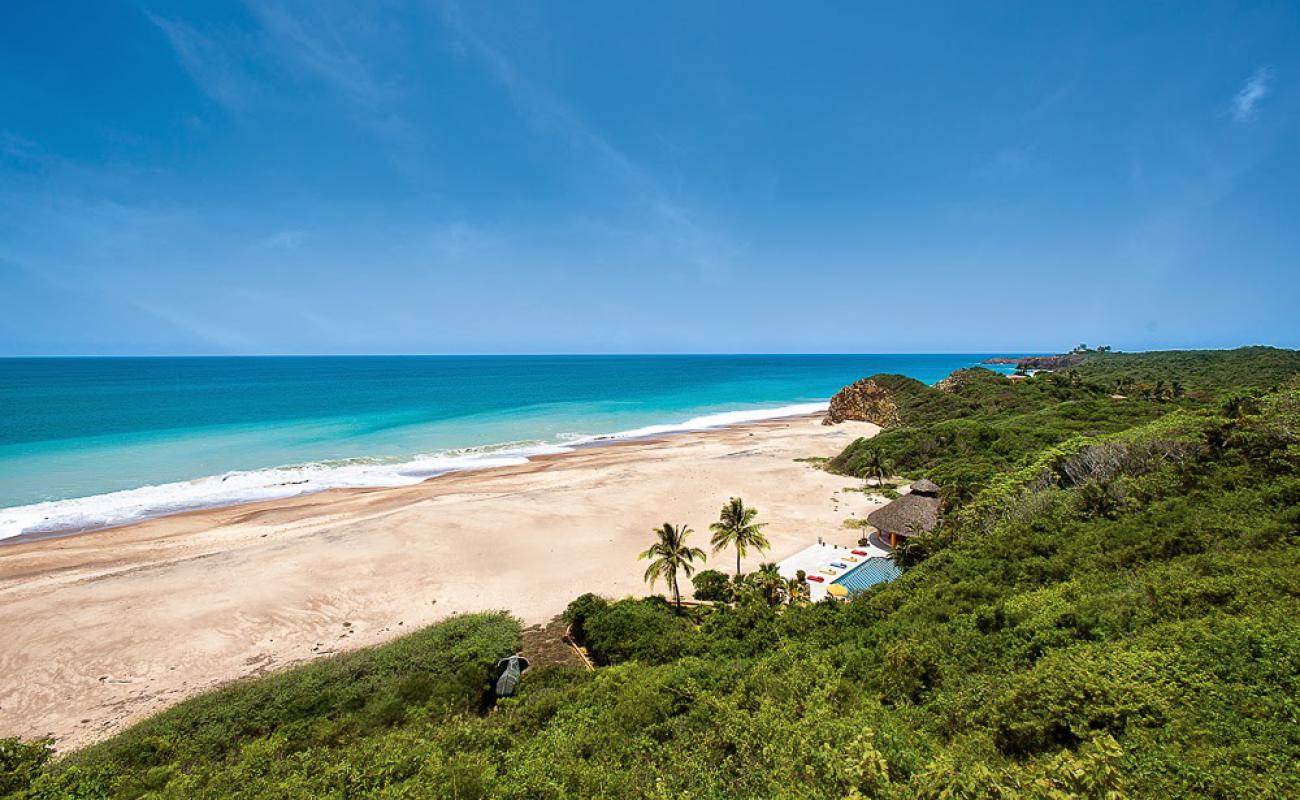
x=576 y=354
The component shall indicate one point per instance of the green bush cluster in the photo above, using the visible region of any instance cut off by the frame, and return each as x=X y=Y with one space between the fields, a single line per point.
x=434 y=673
x=985 y=425
x=642 y=629
x=712 y=586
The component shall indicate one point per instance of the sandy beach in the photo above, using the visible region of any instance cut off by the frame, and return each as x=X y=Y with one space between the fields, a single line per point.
x=101 y=629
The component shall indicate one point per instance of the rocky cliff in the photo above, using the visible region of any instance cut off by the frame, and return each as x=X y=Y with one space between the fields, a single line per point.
x=953 y=383
x=864 y=401
x=1041 y=362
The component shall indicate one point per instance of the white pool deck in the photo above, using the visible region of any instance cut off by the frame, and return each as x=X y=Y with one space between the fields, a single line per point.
x=816 y=557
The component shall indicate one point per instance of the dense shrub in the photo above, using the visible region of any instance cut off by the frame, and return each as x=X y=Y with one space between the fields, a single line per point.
x=711 y=585
x=648 y=630
x=579 y=611
x=439 y=671
x=20 y=763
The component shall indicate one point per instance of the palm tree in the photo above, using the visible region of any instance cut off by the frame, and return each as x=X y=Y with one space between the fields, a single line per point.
x=769 y=582
x=736 y=528
x=1239 y=406
x=878 y=467
x=796 y=588
x=669 y=555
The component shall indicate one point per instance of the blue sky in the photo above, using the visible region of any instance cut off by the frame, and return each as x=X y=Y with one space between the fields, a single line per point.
x=343 y=177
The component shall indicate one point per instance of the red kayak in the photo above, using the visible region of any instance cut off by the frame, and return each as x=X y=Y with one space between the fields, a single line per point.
x=817 y=578
x=861 y=553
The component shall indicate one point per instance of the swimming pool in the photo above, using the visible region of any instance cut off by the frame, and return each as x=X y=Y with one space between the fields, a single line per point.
x=868 y=574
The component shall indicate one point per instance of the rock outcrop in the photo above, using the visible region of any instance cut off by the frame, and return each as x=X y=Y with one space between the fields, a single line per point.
x=863 y=401
x=1041 y=362
x=970 y=376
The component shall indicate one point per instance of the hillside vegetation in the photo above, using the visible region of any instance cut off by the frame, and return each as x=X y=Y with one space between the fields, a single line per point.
x=983 y=423
x=1111 y=610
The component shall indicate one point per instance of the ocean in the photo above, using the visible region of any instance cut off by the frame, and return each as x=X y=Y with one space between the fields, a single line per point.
x=88 y=443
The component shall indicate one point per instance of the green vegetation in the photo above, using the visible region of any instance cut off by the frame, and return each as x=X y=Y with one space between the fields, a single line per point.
x=1112 y=611
x=280 y=735
x=1205 y=373
x=712 y=586
x=984 y=424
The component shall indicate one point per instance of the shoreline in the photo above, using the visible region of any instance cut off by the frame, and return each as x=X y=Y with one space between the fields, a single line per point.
x=516 y=456
x=107 y=628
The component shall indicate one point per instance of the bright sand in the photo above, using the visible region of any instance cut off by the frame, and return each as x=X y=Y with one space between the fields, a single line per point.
x=99 y=630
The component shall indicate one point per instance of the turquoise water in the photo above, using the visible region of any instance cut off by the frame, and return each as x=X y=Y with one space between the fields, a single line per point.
x=90 y=442
x=868 y=574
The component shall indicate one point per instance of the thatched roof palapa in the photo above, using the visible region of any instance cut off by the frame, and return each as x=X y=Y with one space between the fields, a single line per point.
x=925 y=486
x=911 y=514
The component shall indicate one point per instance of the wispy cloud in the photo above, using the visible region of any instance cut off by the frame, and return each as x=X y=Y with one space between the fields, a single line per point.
x=213 y=65
x=321 y=44
x=706 y=249
x=315 y=48
x=230 y=65
x=1255 y=89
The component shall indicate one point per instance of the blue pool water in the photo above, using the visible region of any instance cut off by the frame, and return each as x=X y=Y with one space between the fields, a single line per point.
x=92 y=442
x=868 y=574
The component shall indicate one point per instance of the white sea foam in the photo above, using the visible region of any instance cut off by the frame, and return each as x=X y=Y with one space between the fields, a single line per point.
x=234 y=488
x=719 y=420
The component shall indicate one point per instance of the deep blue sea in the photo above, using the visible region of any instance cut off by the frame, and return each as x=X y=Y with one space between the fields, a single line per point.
x=92 y=442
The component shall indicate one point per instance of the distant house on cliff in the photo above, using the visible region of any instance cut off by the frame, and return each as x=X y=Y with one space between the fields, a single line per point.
x=914 y=513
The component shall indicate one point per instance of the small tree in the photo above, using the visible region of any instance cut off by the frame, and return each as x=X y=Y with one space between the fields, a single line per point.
x=736 y=528
x=770 y=584
x=1100 y=499
x=878 y=467
x=712 y=586
x=669 y=555
x=1239 y=406
x=796 y=589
